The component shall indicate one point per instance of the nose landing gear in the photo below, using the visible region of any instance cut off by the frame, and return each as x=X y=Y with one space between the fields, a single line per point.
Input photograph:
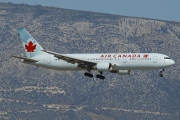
x=160 y=73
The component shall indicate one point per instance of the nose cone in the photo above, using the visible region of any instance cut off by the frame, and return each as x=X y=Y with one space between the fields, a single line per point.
x=171 y=62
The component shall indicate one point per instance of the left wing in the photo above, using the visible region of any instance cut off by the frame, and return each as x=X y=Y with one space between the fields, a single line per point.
x=81 y=62
x=25 y=59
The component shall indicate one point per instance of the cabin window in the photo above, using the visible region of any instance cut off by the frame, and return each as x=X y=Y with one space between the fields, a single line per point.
x=167 y=58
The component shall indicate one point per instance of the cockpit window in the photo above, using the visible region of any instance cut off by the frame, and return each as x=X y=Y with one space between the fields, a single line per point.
x=167 y=58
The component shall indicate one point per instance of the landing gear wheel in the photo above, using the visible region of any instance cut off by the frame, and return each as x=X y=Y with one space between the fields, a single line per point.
x=88 y=74
x=160 y=72
x=160 y=75
x=100 y=77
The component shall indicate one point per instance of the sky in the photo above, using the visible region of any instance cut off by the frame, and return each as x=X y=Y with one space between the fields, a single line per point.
x=154 y=9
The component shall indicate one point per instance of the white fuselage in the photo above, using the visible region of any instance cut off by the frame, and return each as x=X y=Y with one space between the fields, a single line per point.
x=123 y=61
x=120 y=63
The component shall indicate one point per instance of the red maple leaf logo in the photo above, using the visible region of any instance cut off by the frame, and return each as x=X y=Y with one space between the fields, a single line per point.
x=30 y=47
x=145 y=55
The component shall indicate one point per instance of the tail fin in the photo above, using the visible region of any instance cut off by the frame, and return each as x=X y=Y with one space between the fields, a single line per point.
x=31 y=46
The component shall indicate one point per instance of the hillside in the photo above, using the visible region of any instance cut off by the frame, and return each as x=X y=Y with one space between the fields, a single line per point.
x=27 y=92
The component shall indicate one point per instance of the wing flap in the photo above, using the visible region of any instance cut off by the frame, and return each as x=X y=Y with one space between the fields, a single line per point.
x=25 y=59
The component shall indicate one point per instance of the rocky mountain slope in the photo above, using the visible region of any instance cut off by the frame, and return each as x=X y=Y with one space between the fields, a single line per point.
x=30 y=93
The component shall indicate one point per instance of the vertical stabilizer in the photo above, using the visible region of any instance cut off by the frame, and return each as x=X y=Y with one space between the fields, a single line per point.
x=31 y=46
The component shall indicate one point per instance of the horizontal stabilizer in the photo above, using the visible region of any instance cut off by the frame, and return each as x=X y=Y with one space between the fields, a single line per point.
x=25 y=59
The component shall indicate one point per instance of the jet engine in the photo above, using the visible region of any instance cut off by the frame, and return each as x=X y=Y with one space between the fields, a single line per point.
x=104 y=67
x=121 y=72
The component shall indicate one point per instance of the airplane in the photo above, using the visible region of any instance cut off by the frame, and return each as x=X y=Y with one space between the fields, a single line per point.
x=119 y=63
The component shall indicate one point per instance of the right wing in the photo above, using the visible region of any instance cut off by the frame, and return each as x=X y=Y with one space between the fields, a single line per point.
x=25 y=59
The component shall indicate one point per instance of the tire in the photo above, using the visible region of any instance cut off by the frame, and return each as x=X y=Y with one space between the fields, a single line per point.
x=102 y=77
x=160 y=75
x=90 y=75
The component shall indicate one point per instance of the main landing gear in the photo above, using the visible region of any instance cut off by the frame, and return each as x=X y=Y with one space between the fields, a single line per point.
x=160 y=73
x=100 y=76
x=88 y=74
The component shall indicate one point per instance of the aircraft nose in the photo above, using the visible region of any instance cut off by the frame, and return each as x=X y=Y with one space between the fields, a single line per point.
x=172 y=62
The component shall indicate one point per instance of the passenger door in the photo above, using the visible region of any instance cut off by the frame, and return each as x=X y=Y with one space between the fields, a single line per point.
x=155 y=59
x=124 y=59
x=49 y=60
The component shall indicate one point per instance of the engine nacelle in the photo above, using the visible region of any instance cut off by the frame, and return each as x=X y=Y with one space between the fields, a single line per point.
x=121 y=72
x=104 y=67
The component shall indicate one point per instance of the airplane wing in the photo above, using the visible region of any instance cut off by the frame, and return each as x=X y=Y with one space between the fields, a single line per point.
x=73 y=60
x=25 y=59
